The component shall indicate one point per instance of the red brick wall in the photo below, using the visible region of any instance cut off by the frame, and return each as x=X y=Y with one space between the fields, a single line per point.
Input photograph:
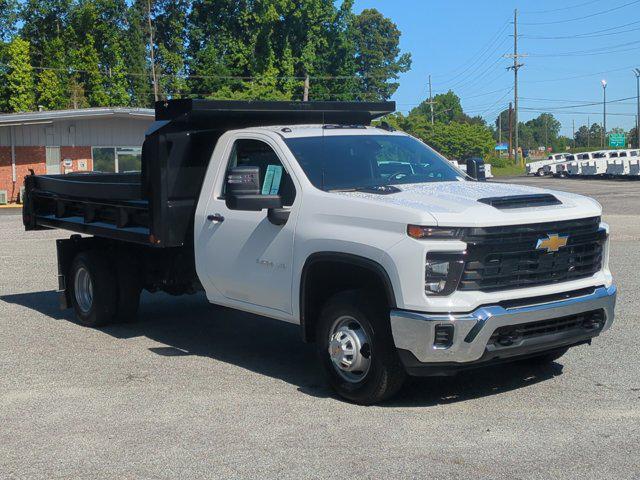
x=26 y=158
x=75 y=154
x=35 y=158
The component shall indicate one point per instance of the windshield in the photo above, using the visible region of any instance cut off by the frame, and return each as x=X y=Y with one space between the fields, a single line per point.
x=352 y=162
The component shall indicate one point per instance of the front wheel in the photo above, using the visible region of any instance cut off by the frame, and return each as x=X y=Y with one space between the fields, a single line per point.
x=356 y=350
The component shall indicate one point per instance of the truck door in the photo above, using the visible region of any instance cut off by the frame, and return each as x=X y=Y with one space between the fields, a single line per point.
x=248 y=258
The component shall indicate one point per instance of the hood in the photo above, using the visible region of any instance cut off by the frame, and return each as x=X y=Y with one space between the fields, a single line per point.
x=457 y=203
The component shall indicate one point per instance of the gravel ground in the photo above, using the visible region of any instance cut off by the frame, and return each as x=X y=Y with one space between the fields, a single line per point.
x=195 y=391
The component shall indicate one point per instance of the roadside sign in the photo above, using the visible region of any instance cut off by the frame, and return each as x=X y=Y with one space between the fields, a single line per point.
x=617 y=140
x=502 y=147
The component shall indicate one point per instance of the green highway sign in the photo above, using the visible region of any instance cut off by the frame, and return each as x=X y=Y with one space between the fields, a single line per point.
x=617 y=140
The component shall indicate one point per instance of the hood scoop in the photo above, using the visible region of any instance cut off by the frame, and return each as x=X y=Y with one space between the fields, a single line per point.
x=521 y=201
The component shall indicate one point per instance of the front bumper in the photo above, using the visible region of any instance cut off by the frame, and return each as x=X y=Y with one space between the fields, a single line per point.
x=414 y=333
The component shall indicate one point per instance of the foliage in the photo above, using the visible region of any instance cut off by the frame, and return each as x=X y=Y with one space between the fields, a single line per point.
x=454 y=140
x=378 y=59
x=18 y=77
x=447 y=108
x=98 y=52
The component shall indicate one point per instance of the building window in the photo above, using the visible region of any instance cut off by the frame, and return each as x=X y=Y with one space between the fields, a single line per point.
x=117 y=159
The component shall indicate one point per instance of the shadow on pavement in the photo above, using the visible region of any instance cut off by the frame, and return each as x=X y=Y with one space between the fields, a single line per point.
x=189 y=325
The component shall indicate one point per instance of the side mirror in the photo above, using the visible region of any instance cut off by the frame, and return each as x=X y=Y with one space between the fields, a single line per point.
x=242 y=191
x=475 y=169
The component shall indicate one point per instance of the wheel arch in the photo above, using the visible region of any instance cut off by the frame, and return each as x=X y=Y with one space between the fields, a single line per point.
x=353 y=269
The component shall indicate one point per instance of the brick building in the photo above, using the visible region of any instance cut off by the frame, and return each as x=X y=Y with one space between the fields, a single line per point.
x=65 y=141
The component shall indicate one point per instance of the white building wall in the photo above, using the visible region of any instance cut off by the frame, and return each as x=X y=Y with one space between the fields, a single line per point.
x=97 y=132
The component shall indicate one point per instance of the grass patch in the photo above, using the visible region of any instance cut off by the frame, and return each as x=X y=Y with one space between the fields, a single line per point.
x=507 y=170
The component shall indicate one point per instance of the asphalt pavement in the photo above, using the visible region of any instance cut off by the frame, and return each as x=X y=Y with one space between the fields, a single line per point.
x=194 y=391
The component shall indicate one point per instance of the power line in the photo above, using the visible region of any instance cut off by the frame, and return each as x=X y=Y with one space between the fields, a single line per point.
x=472 y=75
x=595 y=51
x=581 y=36
x=581 y=102
x=585 y=16
x=479 y=55
x=537 y=110
x=563 y=107
x=560 y=9
x=586 y=75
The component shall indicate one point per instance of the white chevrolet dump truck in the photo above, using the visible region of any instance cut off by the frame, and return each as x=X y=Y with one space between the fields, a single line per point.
x=392 y=261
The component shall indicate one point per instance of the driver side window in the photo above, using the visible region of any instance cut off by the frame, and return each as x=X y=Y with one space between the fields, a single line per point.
x=274 y=179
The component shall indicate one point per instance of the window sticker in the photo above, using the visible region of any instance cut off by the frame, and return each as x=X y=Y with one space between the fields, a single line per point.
x=272 y=180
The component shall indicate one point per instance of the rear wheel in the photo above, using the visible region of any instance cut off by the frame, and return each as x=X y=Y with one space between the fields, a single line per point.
x=93 y=289
x=355 y=347
x=540 y=172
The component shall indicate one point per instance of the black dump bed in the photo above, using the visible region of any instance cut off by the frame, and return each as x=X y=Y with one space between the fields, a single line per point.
x=156 y=207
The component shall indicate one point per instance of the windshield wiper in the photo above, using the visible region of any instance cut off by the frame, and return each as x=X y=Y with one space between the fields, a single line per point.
x=378 y=189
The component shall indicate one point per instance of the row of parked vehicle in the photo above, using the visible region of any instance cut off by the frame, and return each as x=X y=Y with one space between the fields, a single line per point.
x=603 y=162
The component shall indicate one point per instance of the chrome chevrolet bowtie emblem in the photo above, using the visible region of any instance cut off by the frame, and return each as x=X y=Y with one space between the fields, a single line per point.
x=552 y=243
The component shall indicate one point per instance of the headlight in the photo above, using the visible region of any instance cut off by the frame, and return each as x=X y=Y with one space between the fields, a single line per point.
x=442 y=273
x=419 y=232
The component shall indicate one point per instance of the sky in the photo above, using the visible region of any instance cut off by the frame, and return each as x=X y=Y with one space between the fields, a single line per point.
x=461 y=44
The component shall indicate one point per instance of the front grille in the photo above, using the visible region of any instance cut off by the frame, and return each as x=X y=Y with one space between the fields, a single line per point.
x=582 y=322
x=503 y=258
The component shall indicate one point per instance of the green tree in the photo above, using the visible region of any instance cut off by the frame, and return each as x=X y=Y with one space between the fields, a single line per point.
x=170 y=36
x=42 y=21
x=52 y=81
x=581 y=137
x=446 y=108
x=18 y=77
x=545 y=129
x=9 y=16
x=378 y=59
x=454 y=140
x=135 y=51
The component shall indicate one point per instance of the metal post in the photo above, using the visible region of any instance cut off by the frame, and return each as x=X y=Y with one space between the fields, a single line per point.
x=637 y=73
x=604 y=112
x=430 y=99
x=305 y=93
x=516 y=66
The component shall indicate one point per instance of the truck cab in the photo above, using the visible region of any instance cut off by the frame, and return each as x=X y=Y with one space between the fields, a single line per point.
x=391 y=260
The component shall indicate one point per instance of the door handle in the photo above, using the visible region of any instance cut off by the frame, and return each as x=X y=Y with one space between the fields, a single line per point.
x=216 y=217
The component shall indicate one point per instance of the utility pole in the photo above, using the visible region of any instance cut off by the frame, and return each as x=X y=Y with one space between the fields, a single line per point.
x=573 y=128
x=636 y=71
x=153 y=61
x=305 y=93
x=604 y=112
x=430 y=99
x=515 y=67
x=588 y=132
x=500 y=128
x=510 y=130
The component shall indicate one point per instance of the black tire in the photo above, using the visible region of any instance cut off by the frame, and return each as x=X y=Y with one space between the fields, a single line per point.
x=540 y=172
x=102 y=307
x=385 y=374
x=545 y=358
x=129 y=288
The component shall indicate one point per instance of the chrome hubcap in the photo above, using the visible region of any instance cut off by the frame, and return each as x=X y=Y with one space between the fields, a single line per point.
x=350 y=349
x=83 y=289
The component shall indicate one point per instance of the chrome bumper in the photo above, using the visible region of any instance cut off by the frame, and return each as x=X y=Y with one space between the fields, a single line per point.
x=414 y=332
